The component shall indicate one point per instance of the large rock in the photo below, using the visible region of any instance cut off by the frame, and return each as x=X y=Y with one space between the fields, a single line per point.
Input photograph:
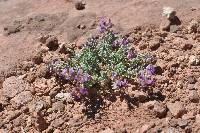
x=13 y=86
x=177 y=109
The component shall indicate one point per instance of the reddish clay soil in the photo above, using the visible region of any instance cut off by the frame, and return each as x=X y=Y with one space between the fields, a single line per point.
x=28 y=94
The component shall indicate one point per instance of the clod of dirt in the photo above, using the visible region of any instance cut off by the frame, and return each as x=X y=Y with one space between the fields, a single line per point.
x=13 y=28
x=193 y=96
x=154 y=45
x=52 y=43
x=177 y=109
x=58 y=106
x=79 y=5
x=42 y=71
x=193 y=26
x=13 y=86
x=186 y=46
x=37 y=59
x=160 y=110
x=81 y=41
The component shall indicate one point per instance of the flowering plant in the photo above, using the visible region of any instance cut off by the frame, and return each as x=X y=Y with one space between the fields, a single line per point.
x=107 y=61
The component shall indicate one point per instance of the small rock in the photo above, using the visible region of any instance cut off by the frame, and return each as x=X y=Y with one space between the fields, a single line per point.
x=188 y=116
x=154 y=45
x=107 y=131
x=188 y=129
x=57 y=131
x=44 y=49
x=146 y=128
x=193 y=60
x=52 y=43
x=142 y=46
x=169 y=12
x=57 y=122
x=160 y=110
x=79 y=5
x=191 y=87
x=37 y=59
x=42 y=71
x=172 y=130
x=141 y=96
x=150 y=104
x=13 y=86
x=39 y=105
x=165 y=25
x=81 y=41
x=191 y=80
x=182 y=123
x=197 y=120
x=65 y=97
x=58 y=106
x=177 y=109
x=193 y=96
x=174 y=28
x=186 y=46
x=21 y=99
x=193 y=26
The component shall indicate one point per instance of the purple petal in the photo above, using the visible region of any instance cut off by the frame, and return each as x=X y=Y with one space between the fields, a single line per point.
x=150 y=69
x=83 y=91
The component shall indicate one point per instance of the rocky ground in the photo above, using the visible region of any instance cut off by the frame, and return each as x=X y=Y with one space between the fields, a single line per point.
x=33 y=100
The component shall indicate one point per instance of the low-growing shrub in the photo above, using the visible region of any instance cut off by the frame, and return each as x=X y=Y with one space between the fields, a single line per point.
x=106 y=62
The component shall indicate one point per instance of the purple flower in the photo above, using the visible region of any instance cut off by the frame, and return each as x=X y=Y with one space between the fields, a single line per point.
x=64 y=72
x=116 y=43
x=151 y=69
x=83 y=91
x=131 y=54
x=86 y=77
x=122 y=83
x=79 y=75
x=104 y=25
x=71 y=71
x=145 y=81
x=114 y=75
x=124 y=41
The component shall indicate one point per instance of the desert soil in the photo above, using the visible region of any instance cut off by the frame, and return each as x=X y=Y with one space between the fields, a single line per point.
x=29 y=95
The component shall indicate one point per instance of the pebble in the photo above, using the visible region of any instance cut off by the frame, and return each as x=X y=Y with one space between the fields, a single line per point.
x=182 y=123
x=79 y=5
x=177 y=109
x=65 y=97
x=193 y=60
x=52 y=43
x=146 y=127
x=108 y=130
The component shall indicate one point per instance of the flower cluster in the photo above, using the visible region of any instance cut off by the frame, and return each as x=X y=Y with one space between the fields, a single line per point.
x=106 y=58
